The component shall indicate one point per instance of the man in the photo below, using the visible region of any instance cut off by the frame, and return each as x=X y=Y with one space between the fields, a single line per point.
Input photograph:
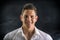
x=28 y=30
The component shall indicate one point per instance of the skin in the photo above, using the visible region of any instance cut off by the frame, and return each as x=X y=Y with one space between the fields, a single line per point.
x=29 y=18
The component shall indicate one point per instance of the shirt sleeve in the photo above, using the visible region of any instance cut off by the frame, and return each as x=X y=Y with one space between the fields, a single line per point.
x=48 y=37
x=7 y=37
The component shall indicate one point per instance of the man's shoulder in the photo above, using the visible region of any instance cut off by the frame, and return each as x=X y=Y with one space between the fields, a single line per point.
x=11 y=34
x=42 y=32
x=45 y=35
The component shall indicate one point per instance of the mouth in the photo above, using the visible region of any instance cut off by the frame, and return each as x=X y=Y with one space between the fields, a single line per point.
x=28 y=24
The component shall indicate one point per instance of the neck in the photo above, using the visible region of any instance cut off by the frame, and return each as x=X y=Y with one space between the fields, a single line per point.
x=28 y=33
x=28 y=30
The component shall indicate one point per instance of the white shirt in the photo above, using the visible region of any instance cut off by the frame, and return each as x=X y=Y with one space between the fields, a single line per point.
x=19 y=35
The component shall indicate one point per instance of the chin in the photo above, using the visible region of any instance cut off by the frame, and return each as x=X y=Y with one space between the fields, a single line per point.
x=28 y=26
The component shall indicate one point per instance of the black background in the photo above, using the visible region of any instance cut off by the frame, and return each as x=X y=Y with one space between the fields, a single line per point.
x=48 y=12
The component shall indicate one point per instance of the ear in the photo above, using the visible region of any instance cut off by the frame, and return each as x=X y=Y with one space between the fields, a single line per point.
x=36 y=18
x=21 y=17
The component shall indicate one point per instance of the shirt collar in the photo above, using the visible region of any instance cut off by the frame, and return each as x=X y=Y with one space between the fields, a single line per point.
x=35 y=35
x=36 y=31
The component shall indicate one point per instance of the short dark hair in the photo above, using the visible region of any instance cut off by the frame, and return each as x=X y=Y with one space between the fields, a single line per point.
x=29 y=6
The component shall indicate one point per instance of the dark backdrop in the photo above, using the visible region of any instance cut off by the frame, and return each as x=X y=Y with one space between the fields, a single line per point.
x=48 y=12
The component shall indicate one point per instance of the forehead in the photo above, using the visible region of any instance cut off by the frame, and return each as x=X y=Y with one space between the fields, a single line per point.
x=29 y=12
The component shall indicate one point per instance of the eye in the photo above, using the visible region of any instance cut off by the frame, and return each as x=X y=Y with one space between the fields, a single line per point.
x=26 y=16
x=32 y=16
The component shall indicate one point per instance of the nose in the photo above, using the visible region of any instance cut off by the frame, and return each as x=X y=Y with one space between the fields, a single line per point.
x=29 y=19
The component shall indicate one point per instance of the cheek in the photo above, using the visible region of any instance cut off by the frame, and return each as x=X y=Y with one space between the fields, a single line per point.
x=25 y=20
x=34 y=20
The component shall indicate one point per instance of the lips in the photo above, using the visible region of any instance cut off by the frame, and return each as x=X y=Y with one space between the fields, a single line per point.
x=29 y=24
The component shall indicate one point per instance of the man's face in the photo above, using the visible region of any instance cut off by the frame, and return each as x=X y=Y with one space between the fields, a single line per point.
x=29 y=18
